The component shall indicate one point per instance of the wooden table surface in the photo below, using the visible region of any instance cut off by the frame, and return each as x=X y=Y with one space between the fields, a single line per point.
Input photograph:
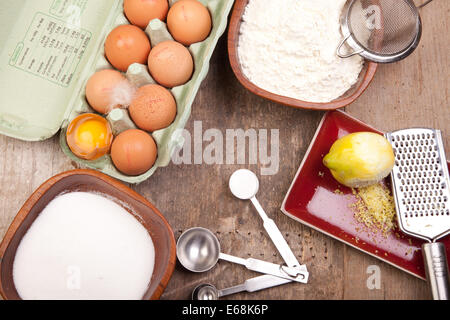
x=413 y=92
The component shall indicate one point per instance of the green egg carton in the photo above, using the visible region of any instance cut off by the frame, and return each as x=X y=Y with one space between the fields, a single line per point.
x=50 y=48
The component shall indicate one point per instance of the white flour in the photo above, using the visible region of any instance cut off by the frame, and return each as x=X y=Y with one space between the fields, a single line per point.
x=84 y=246
x=289 y=47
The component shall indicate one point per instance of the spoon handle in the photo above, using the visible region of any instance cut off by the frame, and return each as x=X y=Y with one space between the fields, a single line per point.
x=276 y=236
x=289 y=273
x=232 y=290
x=233 y=259
x=254 y=284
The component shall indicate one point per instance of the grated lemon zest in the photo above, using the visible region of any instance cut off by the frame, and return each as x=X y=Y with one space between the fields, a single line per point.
x=375 y=208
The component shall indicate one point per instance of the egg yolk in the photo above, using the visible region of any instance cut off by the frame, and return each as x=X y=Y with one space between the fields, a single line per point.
x=89 y=136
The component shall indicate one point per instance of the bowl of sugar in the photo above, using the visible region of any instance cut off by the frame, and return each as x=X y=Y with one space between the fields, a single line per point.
x=286 y=52
x=84 y=236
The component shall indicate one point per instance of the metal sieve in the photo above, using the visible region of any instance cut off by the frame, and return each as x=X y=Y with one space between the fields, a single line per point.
x=382 y=31
x=421 y=189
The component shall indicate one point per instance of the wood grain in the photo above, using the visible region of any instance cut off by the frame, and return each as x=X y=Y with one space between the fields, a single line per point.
x=413 y=92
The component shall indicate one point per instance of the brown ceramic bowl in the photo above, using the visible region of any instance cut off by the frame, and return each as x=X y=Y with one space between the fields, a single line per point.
x=90 y=180
x=350 y=96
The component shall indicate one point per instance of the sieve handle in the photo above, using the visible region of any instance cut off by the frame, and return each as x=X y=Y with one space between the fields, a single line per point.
x=437 y=270
x=346 y=55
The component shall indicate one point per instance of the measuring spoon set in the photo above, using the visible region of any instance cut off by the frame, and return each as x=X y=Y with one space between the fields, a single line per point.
x=198 y=250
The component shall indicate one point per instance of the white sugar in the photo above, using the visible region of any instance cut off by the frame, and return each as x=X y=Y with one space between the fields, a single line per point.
x=84 y=246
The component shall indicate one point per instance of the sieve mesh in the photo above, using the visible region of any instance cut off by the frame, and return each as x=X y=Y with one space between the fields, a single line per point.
x=384 y=27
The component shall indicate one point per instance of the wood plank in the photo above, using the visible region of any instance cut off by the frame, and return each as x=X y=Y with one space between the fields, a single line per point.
x=413 y=92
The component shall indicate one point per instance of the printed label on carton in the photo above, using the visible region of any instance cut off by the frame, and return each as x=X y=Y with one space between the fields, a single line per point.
x=52 y=48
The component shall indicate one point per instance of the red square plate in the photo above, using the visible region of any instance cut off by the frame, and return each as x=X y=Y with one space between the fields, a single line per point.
x=312 y=200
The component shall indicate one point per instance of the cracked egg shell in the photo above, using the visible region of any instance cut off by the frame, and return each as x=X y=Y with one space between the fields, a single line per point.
x=89 y=136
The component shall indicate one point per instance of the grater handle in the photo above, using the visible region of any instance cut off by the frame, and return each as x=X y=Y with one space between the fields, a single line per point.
x=437 y=270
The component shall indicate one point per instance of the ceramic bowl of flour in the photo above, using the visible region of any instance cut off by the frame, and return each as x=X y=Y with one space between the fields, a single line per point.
x=251 y=66
x=102 y=236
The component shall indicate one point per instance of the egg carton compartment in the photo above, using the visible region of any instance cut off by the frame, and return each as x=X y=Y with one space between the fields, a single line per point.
x=167 y=139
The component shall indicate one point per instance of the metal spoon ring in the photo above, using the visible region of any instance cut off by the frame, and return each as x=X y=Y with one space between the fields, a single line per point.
x=287 y=271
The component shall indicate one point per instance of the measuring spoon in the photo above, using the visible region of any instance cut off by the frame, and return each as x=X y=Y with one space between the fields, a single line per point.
x=244 y=185
x=209 y=292
x=198 y=250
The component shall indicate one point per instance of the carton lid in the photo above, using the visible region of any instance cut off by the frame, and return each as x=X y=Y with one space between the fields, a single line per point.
x=46 y=47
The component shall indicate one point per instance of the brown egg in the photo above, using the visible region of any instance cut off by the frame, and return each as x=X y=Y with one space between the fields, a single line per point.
x=100 y=88
x=170 y=64
x=134 y=152
x=141 y=12
x=153 y=108
x=126 y=45
x=189 y=21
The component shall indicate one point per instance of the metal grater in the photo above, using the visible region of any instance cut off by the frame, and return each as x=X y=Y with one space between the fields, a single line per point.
x=420 y=184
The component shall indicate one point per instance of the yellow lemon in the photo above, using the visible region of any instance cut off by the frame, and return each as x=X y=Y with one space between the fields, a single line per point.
x=360 y=159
